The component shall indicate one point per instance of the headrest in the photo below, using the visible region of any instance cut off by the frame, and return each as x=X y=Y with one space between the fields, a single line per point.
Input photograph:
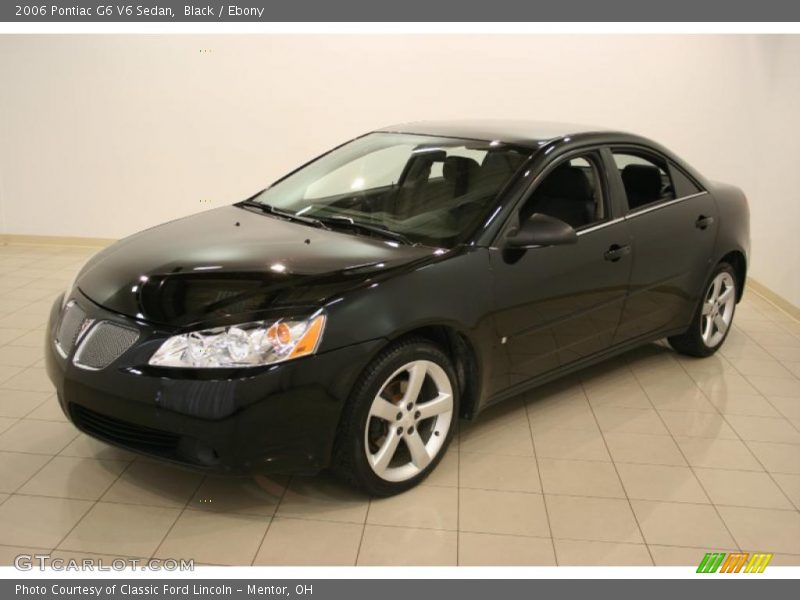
x=458 y=168
x=642 y=180
x=566 y=182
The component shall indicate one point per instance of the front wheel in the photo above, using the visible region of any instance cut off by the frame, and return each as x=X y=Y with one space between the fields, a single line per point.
x=399 y=420
x=714 y=316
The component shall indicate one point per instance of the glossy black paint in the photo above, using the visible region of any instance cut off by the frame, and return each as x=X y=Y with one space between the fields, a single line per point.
x=510 y=318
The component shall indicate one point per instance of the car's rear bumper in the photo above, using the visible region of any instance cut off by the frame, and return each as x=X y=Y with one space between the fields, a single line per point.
x=278 y=419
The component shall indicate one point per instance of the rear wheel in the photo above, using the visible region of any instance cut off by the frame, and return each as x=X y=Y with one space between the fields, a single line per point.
x=714 y=316
x=399 y=420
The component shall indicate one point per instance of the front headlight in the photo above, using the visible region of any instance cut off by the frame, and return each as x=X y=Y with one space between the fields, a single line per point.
x=246 y=345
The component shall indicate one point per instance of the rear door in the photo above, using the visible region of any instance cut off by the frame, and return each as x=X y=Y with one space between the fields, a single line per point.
x=673 y=225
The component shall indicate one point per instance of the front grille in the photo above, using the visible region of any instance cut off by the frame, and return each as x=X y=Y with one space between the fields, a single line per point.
x=123 y=433
x=104 y=344
x=69 y=328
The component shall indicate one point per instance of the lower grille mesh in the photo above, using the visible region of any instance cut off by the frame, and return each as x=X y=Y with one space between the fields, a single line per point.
x=104 y=344
x=124 y=433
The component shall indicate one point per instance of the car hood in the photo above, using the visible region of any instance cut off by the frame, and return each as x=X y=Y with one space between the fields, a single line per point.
x=231 y=261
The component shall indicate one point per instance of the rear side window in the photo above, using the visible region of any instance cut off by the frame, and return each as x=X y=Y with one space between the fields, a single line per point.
x=646 y=178
x=684 y=186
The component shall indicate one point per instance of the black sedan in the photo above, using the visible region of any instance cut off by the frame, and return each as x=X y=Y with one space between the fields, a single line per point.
x=348 y=314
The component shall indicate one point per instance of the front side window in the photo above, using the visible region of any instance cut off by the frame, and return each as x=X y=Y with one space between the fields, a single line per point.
x=572 y=191
x=645 y=178
x=429 y=190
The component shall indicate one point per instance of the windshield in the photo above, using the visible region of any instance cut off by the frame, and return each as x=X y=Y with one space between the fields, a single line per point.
x=422 y=189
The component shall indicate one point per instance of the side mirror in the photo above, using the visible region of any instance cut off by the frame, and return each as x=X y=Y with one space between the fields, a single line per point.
x=542 y=230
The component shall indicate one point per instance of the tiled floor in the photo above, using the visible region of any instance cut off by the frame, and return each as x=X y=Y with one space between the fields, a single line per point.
x=650 y=458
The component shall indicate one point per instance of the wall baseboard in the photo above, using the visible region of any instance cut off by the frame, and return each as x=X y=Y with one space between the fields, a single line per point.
x=54 y=240
x=778 y=300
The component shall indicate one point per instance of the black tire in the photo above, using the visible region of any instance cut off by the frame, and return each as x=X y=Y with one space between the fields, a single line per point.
x=349 y=461
x=691 y=342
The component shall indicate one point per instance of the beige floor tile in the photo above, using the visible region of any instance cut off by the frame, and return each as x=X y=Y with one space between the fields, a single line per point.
x=571 y=444
x=30 y=379
x=106 y=559
x=9 y=554
x=88 y=447
x=446 y=472
x=624 y=393
x=79 y=478
x=785 y=560
x=777 y=458
x=629 y=420
x=790 y=484
x=323 y=499
x=4 y=497
x=764 y=429
x=49 y=410
x=683 y=397
x=760 y=367
x=568 y=413
x=214 y=538
x=12 y=335
x=788 y=407
x=153 y=484
x=748 y=405
x=585 y=553
x=776 y=386
x=580 y=478
x=742 y=488
x=411 y=547
x=254 y=496
x=728 y=383
x=475 y=549
x=676 y=524
x=30 y=339
x=516 y=513
x=7 y=373
x=793 y=366
x=306 y=542
x=682 y=556
x=645 y=449
x=37 y=437
x=695 y=424
x=423 y=507
x=6 y=423
x=17 y=468
x=128 y=529
x=17 y=404
x=718 y=454
x=763 y=529
x=598 y=519
x=661 y=482
x=513 y=440
x=497 y=472
x=37 y=521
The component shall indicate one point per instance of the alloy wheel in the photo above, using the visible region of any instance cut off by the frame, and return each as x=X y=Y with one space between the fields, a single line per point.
x=408 y=421
x=718 y=308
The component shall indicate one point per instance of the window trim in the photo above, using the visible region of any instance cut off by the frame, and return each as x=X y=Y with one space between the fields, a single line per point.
x=653 y=156
x=595 y=158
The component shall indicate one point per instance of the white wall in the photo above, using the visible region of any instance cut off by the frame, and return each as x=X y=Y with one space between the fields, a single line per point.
x=101 y=136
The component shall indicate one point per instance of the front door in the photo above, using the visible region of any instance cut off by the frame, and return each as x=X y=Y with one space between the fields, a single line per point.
x=558 y=304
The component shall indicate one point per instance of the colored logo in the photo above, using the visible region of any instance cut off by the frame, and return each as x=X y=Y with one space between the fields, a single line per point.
x=735 y=562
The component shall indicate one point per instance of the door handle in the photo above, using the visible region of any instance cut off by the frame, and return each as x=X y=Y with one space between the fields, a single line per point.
x=703 y=222
x=615 y=252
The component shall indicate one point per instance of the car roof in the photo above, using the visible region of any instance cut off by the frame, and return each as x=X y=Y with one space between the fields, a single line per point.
x=508 y=131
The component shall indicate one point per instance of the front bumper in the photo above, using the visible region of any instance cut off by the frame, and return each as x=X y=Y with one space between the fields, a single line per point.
x=277 y=419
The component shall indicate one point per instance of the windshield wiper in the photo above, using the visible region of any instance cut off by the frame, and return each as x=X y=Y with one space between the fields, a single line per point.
x=342 y=221
x=285 y=214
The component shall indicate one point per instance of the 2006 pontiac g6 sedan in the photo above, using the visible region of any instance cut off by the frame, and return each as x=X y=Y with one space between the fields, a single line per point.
x=350 y=313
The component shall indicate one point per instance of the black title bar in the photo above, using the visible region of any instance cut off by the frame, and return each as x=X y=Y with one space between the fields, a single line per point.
x=170 y=11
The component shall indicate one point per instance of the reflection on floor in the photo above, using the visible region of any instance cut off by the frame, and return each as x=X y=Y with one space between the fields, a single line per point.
x=650 y=458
